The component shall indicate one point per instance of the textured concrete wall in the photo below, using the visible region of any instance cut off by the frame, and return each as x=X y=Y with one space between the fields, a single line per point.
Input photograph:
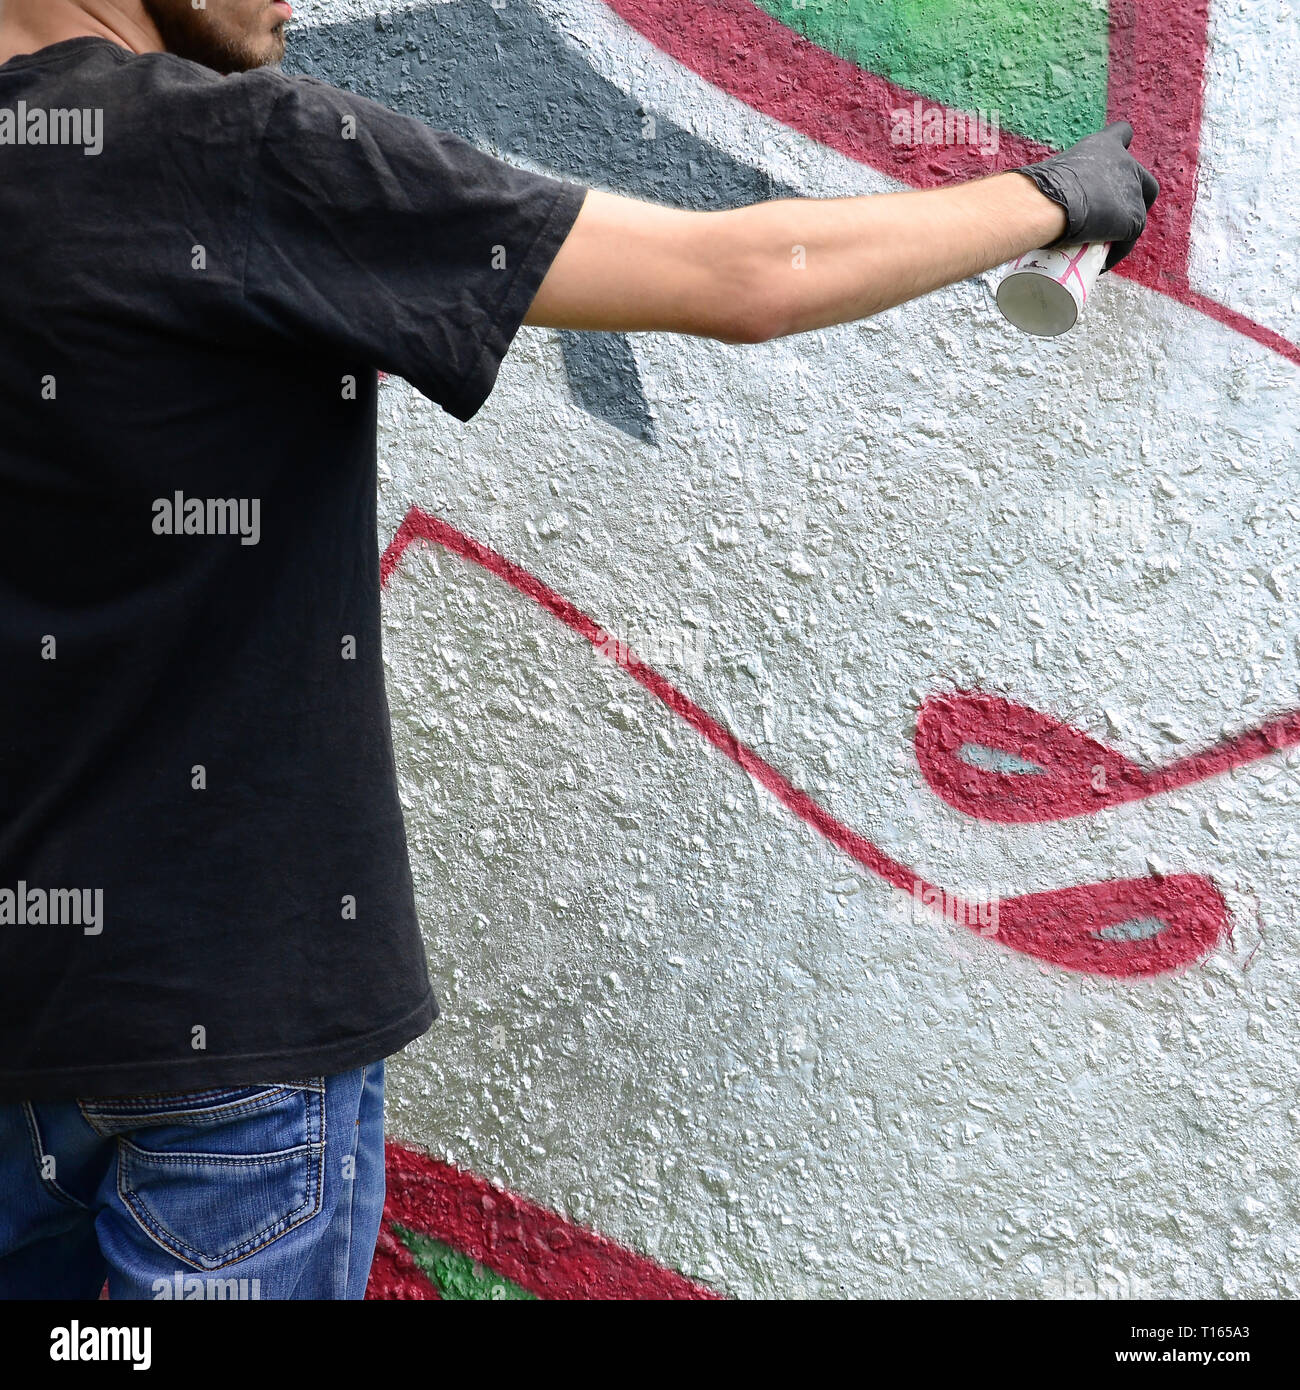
x=685 y=1007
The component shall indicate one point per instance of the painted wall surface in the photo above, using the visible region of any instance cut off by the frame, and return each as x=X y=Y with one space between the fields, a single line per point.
x=852 y=781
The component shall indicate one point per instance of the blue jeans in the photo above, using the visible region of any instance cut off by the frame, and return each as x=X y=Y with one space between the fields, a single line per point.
x=263 y=1191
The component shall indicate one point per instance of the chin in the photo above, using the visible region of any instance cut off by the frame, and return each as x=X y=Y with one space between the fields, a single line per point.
x=263 y=55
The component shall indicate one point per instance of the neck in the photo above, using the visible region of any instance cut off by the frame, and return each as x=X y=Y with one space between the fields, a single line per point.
x=29 y=25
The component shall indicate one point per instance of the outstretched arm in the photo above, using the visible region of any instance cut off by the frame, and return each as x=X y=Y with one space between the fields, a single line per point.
x=783 y=267
x=776 y=268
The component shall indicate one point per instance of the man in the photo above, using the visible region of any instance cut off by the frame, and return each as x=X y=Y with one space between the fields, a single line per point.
x=208 y=940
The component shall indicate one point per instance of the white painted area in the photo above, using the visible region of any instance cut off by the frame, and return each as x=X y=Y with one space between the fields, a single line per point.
x=1246 y=231
x=679 y=1015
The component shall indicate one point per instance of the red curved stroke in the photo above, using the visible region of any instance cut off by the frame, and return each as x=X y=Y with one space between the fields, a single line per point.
x=1080 y=928
x=513 y=1236
x=1072 y=774
x=1157 y=78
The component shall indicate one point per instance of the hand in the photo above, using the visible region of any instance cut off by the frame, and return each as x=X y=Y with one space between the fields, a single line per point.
x=1105 y=192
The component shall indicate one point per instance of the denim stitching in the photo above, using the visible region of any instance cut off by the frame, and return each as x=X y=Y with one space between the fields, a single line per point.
x=216 y=1160
x=105 y=1120
x=38 y=1153
x=169 y=1241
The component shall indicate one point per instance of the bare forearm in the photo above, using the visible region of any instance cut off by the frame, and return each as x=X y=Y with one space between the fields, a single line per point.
x=782 y=267
x=814 y=263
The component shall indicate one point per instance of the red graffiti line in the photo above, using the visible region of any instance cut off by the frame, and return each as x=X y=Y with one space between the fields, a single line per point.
x=1122 y=927
x=515 y=1238
x=1062 y=771
x=1156 y=80
x=1157 y=83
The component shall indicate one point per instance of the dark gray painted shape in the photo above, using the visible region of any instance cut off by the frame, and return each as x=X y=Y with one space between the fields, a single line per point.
x=506 y=80
x=604 y=380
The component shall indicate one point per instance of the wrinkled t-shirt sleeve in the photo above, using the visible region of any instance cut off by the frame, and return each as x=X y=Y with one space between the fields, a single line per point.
x=375 y=235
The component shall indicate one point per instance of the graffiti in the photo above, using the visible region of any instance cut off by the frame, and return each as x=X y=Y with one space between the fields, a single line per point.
x=1132 y=927
x=810 y=77
x=473 y=88
x=1057 y=771
x=1043 y=67
x=451 y=1235
x=778 y=992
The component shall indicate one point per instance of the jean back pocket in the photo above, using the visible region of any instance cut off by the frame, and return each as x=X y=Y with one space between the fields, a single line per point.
x=215 y=1175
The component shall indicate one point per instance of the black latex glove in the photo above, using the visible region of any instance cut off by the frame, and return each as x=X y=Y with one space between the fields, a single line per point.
x=1105 y=192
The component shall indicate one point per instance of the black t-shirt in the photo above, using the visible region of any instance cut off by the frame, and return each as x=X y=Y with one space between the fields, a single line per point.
x=203 y=867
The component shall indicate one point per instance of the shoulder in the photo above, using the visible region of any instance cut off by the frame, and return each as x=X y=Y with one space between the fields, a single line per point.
x=166 y=80
x=306 y=119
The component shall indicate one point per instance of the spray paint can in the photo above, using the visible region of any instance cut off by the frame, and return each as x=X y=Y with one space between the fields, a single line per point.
x=1043 y=292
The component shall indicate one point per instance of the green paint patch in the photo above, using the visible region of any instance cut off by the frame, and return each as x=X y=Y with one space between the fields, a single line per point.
x=1041 y=65
x=456 y=1276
